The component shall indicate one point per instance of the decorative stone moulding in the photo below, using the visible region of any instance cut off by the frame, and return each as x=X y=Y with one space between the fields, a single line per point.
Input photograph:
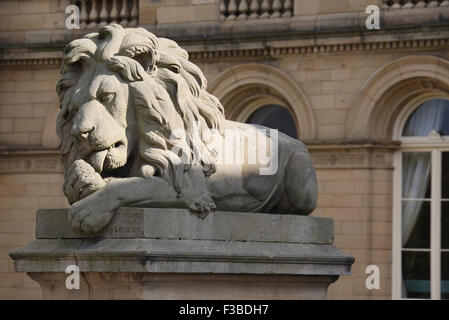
x=255 y=9
x=324 y=48
x=30 y=62
x=98 y=13
x=269 y=52
x=391 y=89
x=413 y=4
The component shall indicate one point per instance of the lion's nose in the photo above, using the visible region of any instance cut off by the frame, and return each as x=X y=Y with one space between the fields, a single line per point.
x=84 y=122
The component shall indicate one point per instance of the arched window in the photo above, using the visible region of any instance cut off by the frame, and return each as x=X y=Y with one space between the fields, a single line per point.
x=275 y=117
x=431 y=117
x=421 y=204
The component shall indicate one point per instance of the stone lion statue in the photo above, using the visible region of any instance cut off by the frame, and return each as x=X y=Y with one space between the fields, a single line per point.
x=138 y=128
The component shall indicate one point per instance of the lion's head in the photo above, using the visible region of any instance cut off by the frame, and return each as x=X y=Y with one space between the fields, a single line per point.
x=124 y=93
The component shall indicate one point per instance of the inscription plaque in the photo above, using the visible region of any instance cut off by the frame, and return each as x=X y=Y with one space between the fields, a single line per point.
x=125 y=225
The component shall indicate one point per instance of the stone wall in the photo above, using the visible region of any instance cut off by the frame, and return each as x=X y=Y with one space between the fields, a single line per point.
x=20 y=196
x=360 y=202
x=30 y=22
x=27 y=99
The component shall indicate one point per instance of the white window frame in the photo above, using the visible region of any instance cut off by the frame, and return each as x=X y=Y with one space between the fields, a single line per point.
x=434 y=144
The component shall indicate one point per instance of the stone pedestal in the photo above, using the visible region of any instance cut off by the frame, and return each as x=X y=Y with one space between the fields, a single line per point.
x=172 y=254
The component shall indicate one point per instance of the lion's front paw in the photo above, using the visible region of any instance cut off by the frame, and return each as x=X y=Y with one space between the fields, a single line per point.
x=204 y=205
x=91 y=214
x=81 y=181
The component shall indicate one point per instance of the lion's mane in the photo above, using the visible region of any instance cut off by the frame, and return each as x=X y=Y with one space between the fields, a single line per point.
x=159 y=73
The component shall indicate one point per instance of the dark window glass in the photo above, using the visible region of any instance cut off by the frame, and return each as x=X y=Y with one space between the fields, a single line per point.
x=416 y=224
x=445 y=275
x=445 y=175
x=445 y=225
x=275 y=117
x=416 y=274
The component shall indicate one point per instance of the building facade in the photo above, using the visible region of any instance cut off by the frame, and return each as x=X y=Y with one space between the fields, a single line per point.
x=372 y=105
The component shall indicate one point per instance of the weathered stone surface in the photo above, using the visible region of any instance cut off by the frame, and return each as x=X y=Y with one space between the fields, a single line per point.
x=182 y=224
x=151 y=253
x=128 y=285
x=144 y=142
x=177 y=241
x=45 y=254
x=181 y=256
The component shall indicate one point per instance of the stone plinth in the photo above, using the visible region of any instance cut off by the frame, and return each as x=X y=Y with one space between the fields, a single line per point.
x=172 y=254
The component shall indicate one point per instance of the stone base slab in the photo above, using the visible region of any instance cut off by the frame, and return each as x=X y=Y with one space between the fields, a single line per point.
x=181 y=224
x=146 y=286
x=173 y=254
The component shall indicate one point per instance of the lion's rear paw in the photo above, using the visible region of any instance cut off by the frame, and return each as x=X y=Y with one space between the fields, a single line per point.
x=204 y=205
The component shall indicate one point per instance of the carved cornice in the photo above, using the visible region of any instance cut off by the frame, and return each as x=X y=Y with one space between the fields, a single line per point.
x=276 y=52
x=352 y=154
x=254 y=50
x=342 y=144
x=36 y=62
x=31 y=56
x=30 y=161
x=323 y=159
x=324 y=154
x=352 y=159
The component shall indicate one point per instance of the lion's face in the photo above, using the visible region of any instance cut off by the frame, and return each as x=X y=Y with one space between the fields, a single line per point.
x=123 y=92
x=102 y=122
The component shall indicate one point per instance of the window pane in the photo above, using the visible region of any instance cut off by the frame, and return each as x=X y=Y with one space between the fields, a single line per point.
x=416 y=175
x=445 y=175
x=416 y=224
x=445 y=225
x=431 y=115
x=415 y=274
x=275 y=117
x=445 y=275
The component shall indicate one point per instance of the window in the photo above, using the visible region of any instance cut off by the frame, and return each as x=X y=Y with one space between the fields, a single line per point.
x=421 y=205
x=275 y=117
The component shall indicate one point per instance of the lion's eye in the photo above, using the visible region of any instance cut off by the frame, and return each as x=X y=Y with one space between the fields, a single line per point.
x=107 y=97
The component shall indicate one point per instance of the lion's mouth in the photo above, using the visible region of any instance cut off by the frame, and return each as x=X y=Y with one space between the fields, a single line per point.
x=109 y=158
